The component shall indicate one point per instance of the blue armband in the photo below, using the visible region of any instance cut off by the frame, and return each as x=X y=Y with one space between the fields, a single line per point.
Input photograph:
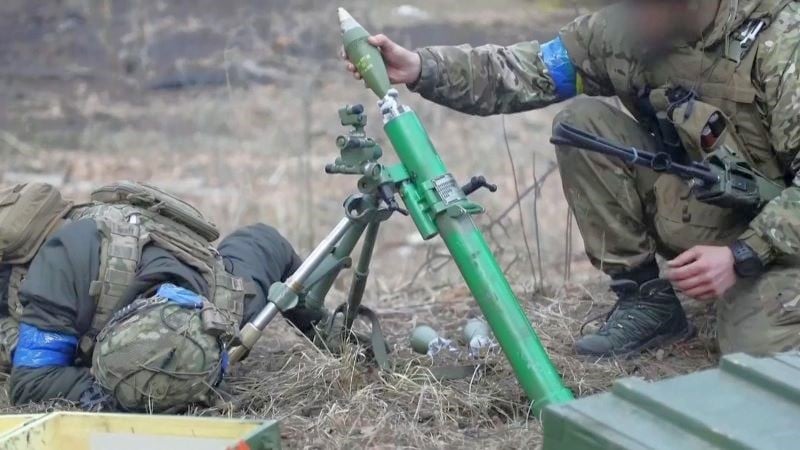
x=556 y=58
x=39 y=348
x=179 y=295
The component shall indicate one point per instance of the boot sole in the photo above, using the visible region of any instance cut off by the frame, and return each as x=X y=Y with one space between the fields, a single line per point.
x=655 y=342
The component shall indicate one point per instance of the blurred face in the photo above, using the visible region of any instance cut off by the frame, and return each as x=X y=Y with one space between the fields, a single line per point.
x=658 y=23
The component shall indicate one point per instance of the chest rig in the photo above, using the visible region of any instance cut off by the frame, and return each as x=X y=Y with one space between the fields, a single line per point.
x=694 y=85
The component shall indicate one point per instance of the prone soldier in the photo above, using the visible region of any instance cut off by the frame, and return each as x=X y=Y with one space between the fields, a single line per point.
x=124 y=302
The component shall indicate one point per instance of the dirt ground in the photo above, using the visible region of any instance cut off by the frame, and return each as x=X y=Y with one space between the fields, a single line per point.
x=233 y=106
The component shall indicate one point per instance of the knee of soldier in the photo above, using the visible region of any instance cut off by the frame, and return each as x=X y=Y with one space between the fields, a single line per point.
x=276 y=246
x=270 y=237
x=762 y=316
x=584 y=113
x=259 y=236
x=267 y=233
x=596 y=117
x=756 y=344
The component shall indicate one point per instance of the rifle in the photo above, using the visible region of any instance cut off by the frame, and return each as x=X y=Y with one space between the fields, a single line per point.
x=721 y=179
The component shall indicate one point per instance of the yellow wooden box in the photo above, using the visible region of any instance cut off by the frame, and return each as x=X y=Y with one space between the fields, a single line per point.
x=88 y=431
x=11 y=422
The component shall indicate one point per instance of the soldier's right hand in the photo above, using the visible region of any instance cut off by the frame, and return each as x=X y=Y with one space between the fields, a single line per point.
x=403 y=65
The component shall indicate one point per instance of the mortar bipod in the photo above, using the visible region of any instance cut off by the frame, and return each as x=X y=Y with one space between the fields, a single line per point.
x=364 y=212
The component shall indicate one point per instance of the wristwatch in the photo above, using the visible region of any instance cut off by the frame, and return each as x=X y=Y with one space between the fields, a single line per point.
x=746 y=262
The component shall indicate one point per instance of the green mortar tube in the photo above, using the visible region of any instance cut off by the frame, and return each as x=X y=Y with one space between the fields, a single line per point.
x=441 y=198
x=535 y=372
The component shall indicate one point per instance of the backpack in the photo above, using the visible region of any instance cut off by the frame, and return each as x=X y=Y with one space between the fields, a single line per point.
x=29 y=213
x=130 y=216
x=153 y=199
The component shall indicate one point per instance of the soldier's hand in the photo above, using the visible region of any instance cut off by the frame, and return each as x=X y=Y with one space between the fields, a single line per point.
x=703 y=272
x=403 y=65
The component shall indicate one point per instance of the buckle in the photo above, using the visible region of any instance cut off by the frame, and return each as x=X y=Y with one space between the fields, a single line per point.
x=751 y=32
x=744 y=38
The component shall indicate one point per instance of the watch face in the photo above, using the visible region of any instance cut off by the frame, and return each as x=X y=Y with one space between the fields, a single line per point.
x=747 y=263
x=749 y=267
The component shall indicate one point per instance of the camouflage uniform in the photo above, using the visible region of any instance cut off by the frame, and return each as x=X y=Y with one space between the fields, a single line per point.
x=628 y=215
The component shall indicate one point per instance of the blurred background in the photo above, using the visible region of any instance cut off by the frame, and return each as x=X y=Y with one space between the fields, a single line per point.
x=233 y=105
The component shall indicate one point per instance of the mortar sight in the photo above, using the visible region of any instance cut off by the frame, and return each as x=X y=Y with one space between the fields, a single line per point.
x=353 y=115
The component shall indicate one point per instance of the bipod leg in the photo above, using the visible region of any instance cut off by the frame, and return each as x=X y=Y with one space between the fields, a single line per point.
x=284 y=295
x=360 y=274
x=353 y=308
x=339 y=258
x=296 y=281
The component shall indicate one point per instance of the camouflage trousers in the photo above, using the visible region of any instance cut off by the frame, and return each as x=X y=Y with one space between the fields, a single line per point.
x=627 y=215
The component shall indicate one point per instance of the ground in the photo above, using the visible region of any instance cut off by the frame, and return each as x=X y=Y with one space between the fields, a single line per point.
x=233 y=106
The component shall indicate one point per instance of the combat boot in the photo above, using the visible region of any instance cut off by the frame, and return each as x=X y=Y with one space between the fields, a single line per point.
x=643 y=318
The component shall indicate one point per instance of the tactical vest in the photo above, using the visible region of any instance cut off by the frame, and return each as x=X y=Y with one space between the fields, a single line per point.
x=721 y=80
x=130 y=217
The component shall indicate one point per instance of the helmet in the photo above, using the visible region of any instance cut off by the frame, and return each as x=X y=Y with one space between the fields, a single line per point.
x=155 y=355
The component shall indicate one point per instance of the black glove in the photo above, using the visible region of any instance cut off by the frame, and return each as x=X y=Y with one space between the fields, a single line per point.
x=97 y=399
x=304 y=318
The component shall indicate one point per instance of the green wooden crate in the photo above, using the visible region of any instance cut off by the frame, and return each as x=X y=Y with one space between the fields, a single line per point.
x=746 y=403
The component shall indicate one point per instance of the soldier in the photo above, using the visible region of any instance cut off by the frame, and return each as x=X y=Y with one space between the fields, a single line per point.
x=127 y=305
x=677 y=63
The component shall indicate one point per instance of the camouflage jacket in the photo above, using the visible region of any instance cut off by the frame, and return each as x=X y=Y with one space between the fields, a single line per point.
x=498 y=80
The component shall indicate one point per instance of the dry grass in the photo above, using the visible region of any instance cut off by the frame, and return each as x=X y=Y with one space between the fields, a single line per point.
x=346 y=402
x=324 y=401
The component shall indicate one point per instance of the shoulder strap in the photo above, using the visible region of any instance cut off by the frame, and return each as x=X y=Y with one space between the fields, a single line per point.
x=228 y=293
x=18 y=273
x=120 y=254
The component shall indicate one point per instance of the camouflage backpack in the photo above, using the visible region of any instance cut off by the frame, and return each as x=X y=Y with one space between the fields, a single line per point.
x=132 y=215
x=29 y=213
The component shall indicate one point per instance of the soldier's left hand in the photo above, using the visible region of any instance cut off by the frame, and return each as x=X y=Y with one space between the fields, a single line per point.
x=703 y=272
